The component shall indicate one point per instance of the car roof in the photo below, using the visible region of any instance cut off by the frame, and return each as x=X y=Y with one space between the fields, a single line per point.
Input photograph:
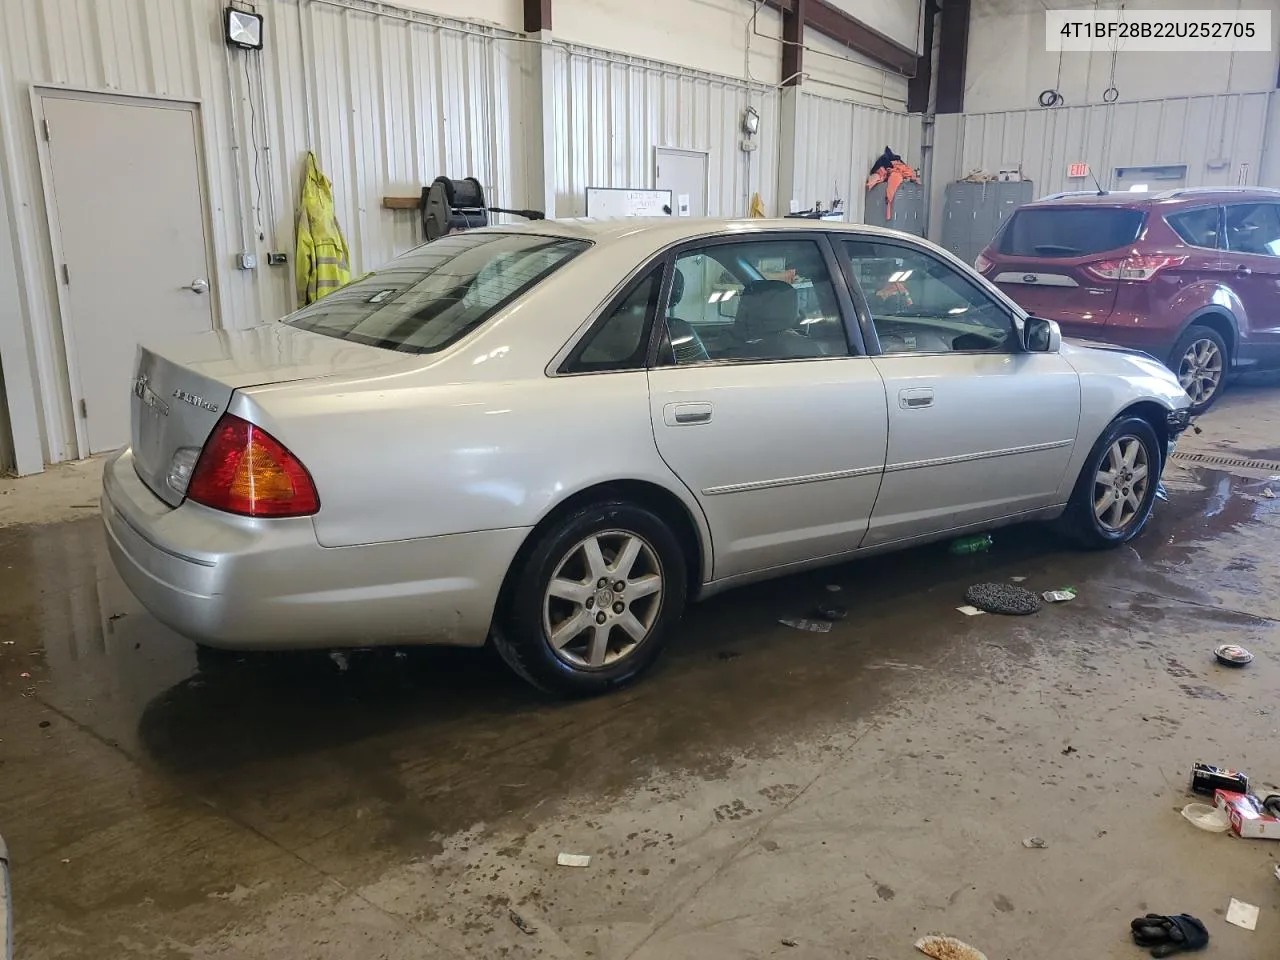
x=1177 y=196
x=665 y=230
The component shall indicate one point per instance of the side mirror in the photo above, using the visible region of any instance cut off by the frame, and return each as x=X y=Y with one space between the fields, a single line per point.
x=1041 y=336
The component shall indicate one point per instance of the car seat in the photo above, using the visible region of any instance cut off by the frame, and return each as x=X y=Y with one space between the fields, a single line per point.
x=680 y=342
x=768 y=313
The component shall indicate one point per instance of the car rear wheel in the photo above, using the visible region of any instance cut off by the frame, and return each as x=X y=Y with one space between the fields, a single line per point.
x=592 y=603
x=1114 y=495
x=1200 y=361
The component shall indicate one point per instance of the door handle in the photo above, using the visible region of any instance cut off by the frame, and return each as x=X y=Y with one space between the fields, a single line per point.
x=198 y=286
x=1243 y=271
x=686 y=414
x=916 y=398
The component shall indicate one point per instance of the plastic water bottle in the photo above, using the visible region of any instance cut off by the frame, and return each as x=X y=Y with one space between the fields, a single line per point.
x=965 y=545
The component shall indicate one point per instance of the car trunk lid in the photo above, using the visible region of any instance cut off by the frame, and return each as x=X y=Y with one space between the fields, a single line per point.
x=182 y=387
x=1042 y=256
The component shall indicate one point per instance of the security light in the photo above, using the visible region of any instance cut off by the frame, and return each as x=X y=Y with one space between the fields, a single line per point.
x=750 y=121
x=243 y=29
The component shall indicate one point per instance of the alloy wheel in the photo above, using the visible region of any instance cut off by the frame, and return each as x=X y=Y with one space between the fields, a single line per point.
x=1200 y=370
x=1121 y=483
x=603 y=599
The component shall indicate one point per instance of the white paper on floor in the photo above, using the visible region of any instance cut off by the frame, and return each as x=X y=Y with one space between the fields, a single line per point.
x=1242 y=914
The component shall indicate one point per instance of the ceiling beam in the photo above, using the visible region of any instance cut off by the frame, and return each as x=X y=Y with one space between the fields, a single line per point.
x=537 y=15
x=793 y=42
x=854 y=34
x=919 y=86
x=953 y=52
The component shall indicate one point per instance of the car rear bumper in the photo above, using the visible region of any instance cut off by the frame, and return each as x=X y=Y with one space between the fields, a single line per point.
x=244 y=583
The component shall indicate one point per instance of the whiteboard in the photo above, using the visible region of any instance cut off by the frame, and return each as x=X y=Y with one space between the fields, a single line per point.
x=625 y=202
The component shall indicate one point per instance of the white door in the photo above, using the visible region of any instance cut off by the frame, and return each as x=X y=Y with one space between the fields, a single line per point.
x=978 y=429
x=684 y=173
x=125 y=189
x=764 y=411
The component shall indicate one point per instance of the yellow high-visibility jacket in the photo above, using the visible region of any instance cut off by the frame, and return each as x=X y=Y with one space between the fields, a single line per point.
x=322 y=262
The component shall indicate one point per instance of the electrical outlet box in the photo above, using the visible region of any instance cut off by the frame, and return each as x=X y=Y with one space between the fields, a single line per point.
x=277 y=259
x=247 y=261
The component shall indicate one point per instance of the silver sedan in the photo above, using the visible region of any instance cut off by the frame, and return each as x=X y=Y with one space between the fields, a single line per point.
x=552 y=436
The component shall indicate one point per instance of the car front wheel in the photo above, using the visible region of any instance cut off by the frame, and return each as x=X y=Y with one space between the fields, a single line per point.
x=1116 y=490
x=594 y=600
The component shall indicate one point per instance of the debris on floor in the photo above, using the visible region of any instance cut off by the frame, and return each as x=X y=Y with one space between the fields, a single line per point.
x=1267 y=492
x=790 y=942
x=43 y=724
x=1034 y=843
x=1162 y=492
x=1243 y=915
x=340 y=658
x=813 y=626
x=1248 y=818
x=523 y=925
x=573 y=860
x=1232 y=654
x=1169 y=935
x=969 y=611
x=830 y=612
x=1208 y=779
x=966 y=545
x=1017 y=579
x=1068 y=750
x=1059 y=596
x=1213 y=819
x=948 y=948
x=1002 y=598
x=834 y=588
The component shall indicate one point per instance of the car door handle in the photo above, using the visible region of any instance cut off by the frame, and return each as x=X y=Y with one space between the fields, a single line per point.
x=1243 y=271
x=916 y=398
x=686 y=414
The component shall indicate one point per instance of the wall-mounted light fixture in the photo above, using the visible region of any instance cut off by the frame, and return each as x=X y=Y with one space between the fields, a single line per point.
x=750 y=121
x=242 y=29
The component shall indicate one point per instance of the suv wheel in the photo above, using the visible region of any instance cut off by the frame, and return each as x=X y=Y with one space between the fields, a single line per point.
x=594 y=601
x=1200 y=361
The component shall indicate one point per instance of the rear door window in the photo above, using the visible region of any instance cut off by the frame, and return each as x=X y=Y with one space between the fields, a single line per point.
x=428 y=298
x=1069 y=231
x=1198 y=227
x=1254 y=228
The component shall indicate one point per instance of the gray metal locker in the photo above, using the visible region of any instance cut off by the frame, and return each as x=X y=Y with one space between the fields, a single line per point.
x=908 y=208
x=974 y=212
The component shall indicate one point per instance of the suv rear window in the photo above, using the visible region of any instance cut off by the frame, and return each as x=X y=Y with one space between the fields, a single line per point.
x=1069 y=231
x=428 y=298
x=1198 y=227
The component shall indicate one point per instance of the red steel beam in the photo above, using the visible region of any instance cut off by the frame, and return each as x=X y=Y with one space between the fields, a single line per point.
x=793 y=42
x=853 y=33
x=537 y=15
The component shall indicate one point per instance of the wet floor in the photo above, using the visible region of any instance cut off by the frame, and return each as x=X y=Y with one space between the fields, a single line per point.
x=849 y=791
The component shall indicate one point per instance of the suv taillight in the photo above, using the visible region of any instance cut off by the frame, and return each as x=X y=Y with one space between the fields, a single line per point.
x=981 y=264
x=243 y=469
x=1135 y=267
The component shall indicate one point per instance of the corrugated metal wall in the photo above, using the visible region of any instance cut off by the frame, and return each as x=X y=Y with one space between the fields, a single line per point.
x=611 y=111
x=838 y=141
x=1212 y=135
x=387 y=98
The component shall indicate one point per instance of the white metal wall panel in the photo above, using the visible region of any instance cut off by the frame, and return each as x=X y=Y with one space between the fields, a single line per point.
x=611 y=111
x=1212 y=135
x=388 y=99
x=838 y=141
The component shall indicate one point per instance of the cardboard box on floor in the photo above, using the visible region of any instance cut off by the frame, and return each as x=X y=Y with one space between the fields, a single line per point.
x=1246 y=820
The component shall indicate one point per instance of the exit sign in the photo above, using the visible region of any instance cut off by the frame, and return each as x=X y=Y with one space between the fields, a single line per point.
x=1075 y=170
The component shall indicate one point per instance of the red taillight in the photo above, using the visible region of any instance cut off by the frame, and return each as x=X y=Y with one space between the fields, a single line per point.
x=981 y=264
x=243 y=469
x=1134 y=267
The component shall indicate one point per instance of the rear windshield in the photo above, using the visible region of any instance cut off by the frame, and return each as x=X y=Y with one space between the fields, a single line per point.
x=1061 y=232
x=428 y=298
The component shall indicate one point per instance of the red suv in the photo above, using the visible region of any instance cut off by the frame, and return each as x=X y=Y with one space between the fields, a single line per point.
x=1191 y=276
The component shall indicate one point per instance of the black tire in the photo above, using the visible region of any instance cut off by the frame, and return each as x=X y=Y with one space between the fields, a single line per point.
x=521 y=635
x=1080 y=521
x=1200 y=340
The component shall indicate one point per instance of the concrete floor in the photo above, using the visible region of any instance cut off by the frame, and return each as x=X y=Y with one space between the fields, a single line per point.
x=851 y=791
